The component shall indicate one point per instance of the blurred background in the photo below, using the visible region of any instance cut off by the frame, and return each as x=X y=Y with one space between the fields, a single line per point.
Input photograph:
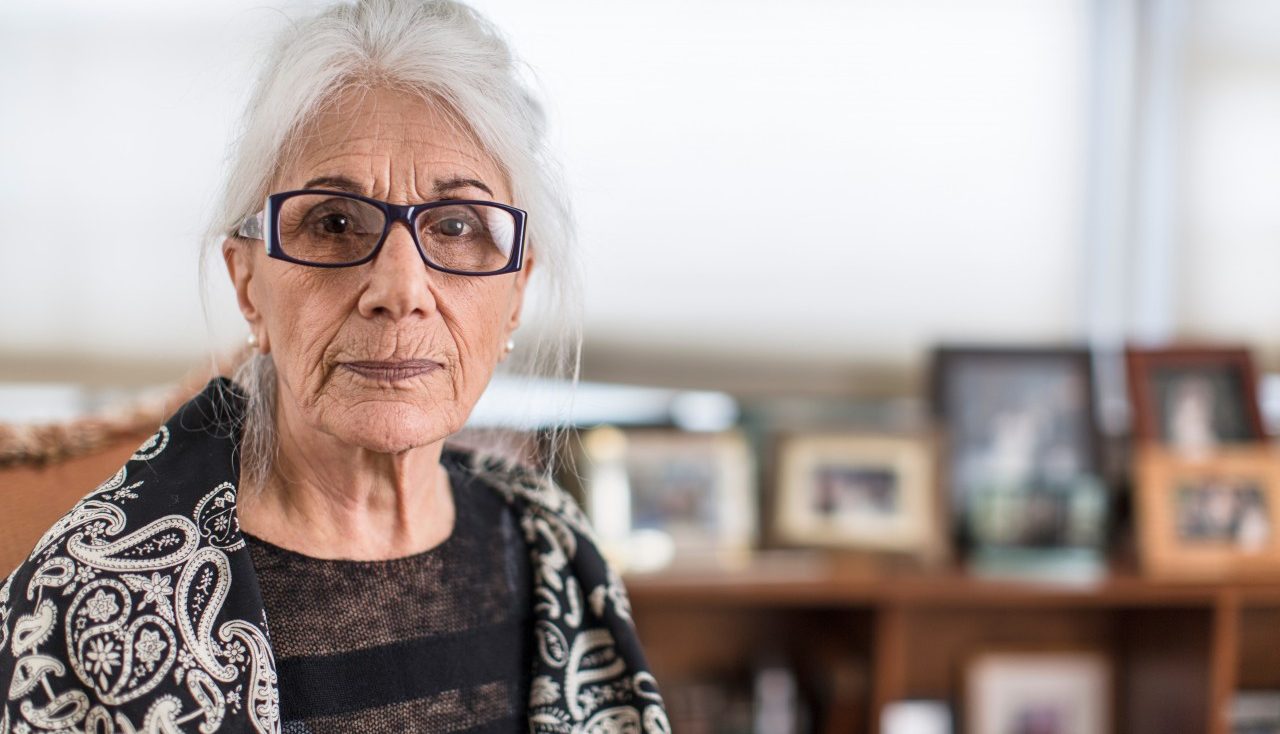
x=930 y=347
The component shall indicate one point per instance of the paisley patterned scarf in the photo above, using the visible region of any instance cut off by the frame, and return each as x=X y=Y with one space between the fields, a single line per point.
x=139 y=610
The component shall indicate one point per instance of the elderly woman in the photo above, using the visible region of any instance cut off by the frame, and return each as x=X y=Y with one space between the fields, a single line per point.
x=302 y=548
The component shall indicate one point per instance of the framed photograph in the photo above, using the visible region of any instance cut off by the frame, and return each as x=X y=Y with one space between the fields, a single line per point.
x=659 y=496
x=859 y=491
x=1066 y=692
x=1194 y=399
x=916 y=717
x=1255 y=712
x=1209 y=518
x=1019 y=436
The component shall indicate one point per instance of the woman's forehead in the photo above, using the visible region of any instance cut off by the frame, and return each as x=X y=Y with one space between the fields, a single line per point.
x=392 y=143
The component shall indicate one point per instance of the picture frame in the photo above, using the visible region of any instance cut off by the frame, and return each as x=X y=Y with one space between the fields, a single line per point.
x=1255 y=712
x=1058 y=691
x=1019 y=430
x=1194 y=398
x=1209 y=518
x=856 y=491
x=661 y=497
x=917 y=716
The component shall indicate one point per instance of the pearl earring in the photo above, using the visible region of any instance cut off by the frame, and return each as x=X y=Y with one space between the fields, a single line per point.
x=253 y=340
x=511 y=344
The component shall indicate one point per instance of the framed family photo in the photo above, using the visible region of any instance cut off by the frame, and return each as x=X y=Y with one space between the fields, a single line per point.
x=1021 y=457
x=1194 y=399
x=856 y=491
x=1050 y=692
x=663 y=496
x=1209 y=518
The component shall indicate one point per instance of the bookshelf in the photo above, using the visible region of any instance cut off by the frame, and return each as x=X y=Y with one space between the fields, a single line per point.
x=1179 y=651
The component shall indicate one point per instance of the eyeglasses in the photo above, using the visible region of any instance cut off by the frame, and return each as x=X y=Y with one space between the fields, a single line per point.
x=335 y=229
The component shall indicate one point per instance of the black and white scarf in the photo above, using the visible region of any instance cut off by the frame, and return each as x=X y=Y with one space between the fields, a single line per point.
x=139 y=610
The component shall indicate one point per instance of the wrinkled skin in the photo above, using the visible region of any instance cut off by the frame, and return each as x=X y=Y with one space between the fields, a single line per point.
x=359 y=456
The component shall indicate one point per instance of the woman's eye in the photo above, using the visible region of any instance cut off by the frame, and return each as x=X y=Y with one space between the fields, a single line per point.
x=335 y=224
x=453 y=227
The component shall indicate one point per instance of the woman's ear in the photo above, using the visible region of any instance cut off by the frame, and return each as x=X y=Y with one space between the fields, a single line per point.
x=240 y=268
x=522 y=279
x=239 y=261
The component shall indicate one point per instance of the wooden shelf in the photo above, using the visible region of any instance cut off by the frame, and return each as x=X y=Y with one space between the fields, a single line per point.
x=809 y=582
x=1180 y=650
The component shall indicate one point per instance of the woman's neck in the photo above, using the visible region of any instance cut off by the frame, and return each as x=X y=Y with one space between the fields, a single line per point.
x=328 y=499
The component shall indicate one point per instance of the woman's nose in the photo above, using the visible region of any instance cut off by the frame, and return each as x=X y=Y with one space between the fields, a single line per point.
x=399 y=280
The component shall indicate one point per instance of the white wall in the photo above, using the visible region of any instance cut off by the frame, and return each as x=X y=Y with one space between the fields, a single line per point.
x=1230 y=264
x=113 y=126
x=916 y=162
x=919 y=163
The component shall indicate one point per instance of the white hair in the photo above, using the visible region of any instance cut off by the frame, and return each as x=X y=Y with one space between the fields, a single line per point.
x=452 y=56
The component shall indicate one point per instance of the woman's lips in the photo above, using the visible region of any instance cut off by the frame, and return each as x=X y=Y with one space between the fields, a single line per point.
x=392 y=371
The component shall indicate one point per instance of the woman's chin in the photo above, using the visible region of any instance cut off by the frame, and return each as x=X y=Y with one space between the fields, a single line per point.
x=391 y=428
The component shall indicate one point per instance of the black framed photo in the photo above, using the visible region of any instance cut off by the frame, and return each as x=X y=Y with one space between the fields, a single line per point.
x=1021 y=459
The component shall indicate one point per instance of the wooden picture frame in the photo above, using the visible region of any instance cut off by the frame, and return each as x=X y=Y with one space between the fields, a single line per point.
x=1210 y=518
x=658 y=497
x=856 y=491
x=1062 y=691
x=1154 y=373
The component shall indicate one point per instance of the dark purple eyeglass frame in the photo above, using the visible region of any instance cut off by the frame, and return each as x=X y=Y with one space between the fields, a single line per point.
x=270 y=216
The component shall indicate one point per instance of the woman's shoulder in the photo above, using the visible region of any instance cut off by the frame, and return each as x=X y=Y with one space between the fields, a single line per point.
x=116 y=603
x=558 y=531
x=531 y=490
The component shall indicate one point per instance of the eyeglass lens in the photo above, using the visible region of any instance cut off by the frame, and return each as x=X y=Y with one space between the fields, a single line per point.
x=332 y=230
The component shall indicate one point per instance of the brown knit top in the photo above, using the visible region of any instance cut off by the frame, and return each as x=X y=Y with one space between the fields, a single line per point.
x=432 y=642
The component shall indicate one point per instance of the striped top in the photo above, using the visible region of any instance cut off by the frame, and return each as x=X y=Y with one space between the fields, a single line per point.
x=433 y=642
